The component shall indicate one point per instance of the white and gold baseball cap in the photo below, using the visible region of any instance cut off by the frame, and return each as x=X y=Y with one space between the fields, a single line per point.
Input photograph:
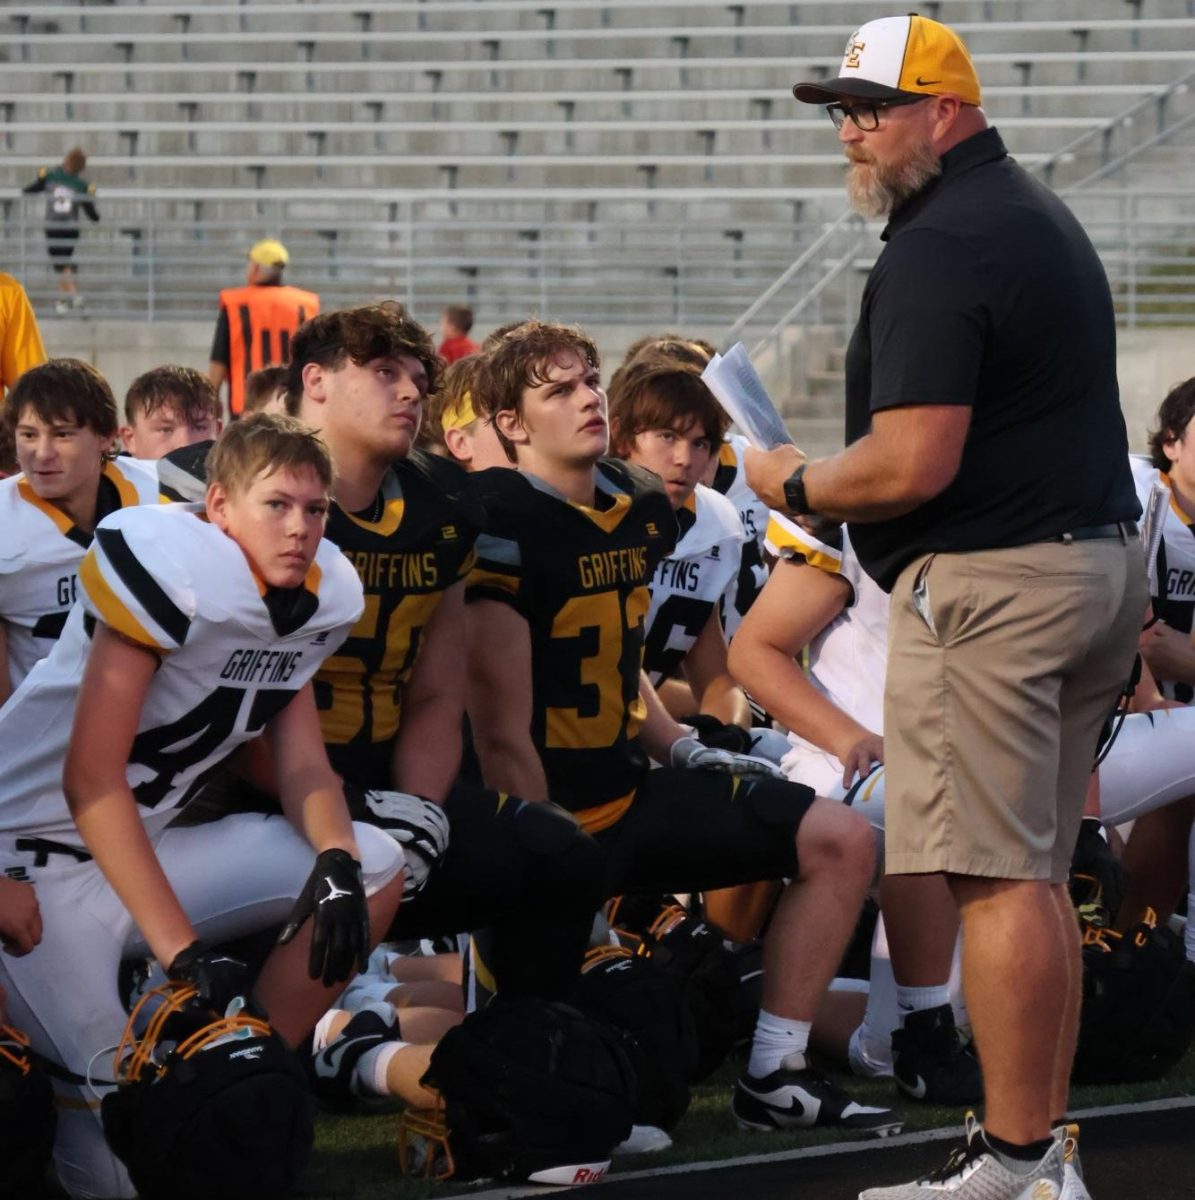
x=896 y=58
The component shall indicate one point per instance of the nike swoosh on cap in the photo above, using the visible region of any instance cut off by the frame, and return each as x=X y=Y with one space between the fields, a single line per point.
x=926 y=82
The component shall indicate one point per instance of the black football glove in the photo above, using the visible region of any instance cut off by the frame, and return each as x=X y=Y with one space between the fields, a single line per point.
x=217 y=978
x=334 y=898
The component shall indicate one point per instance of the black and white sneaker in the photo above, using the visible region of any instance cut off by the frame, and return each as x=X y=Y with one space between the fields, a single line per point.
x=334 y=1063
x=799 y=1098
x=932 y=1060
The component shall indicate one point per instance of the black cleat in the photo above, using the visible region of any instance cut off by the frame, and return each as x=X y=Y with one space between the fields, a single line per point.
x=791 y=1098
x=934 y=1061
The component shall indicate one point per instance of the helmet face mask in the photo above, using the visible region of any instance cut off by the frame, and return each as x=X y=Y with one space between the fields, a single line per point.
x=423 y=1148
x=206 y=1104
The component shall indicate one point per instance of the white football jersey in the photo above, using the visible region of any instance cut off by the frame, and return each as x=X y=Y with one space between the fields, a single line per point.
x=1172 y=573
x=848 y=660
x=233 y=655
x=40 y=552
x=731 y=480
x=689 y=582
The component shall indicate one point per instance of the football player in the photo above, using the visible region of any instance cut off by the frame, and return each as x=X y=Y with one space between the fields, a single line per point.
x=195 y=632
x=167 y=408
x=63 y=417
x=1156 y=853
x=392 y=699
x=664 y=418
x=453 y=428
x=561 y=710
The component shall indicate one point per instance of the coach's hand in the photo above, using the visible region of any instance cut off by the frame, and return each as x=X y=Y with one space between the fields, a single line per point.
x=689 y=752
x=768 y=469
x=419 y=826
x=217 y=978
x=334 y=898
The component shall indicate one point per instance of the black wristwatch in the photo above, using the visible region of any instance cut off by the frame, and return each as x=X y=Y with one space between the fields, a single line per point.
x=794 y=492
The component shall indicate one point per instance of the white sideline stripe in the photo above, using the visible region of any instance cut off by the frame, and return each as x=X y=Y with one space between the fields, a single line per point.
x=826 y=1151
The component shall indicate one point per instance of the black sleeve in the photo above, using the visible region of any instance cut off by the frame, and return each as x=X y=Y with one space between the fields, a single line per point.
x=929 y=322
x=221 y=350
x=88 y=206
x=38 y=185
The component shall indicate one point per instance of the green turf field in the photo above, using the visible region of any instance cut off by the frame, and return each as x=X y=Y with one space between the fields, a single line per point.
x=354 y=1156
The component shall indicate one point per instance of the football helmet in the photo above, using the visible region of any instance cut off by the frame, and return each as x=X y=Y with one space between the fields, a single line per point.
x=530 y=1090
x=206 y=1104
x=1138 y=1012
x=640 y=999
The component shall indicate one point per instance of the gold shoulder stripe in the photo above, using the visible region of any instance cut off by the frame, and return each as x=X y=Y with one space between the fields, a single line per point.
x=785 y=537
x=60 y=519
x=124 y=487
x=112 y=609
x=468 y=565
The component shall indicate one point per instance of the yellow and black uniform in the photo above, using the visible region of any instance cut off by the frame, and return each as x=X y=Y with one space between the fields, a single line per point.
x=254 y=329
x=415 y=544
x=579 y=577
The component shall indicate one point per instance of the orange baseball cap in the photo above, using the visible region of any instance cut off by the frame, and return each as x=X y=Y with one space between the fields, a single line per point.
x=897 y=57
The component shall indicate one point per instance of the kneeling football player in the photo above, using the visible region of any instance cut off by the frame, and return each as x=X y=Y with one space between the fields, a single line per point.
x=196 y=630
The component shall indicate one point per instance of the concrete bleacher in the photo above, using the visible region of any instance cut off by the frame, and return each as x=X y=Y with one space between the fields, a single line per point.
x=585 y=159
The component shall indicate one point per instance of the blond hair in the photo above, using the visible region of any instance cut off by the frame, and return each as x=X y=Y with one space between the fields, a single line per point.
x=262 y=444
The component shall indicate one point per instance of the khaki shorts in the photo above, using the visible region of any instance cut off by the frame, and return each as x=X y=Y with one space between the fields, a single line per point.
x=1002 y=667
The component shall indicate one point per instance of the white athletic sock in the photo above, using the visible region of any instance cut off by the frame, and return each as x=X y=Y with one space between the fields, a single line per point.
x=1189 y=929
x=778 y=1042
x=370 y=1072
x=918 y=999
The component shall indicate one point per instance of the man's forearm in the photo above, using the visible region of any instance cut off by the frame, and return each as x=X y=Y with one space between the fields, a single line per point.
x=860 y=483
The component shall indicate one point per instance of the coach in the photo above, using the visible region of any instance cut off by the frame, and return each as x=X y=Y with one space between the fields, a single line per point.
x=987 y=487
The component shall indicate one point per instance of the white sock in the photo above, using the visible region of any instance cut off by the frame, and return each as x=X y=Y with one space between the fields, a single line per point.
x=777 y=1043
x=919 y=999
x=370 y=1072
x=1189 y=929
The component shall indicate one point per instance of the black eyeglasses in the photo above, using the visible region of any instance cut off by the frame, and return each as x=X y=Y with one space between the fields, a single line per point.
x=866 y=113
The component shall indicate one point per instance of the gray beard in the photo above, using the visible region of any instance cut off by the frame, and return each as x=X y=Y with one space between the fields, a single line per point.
x=874 y=191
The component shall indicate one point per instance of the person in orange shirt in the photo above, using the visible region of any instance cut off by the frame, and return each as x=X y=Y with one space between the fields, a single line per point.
x=257 y=321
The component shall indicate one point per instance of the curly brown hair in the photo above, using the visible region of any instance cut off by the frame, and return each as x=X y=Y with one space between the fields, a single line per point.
x=359 y=335
x=521 y=360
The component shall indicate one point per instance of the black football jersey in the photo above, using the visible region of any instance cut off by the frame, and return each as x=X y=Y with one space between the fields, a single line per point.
x=579 y=576
x=418 y=543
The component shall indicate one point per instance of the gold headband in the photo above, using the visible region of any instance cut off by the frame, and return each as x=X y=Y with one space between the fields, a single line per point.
x=460 y=414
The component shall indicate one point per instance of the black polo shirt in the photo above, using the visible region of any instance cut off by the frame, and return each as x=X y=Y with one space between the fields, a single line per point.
x=989 y=294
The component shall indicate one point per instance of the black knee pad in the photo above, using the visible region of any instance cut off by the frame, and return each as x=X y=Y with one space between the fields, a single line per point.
x=545 y=829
